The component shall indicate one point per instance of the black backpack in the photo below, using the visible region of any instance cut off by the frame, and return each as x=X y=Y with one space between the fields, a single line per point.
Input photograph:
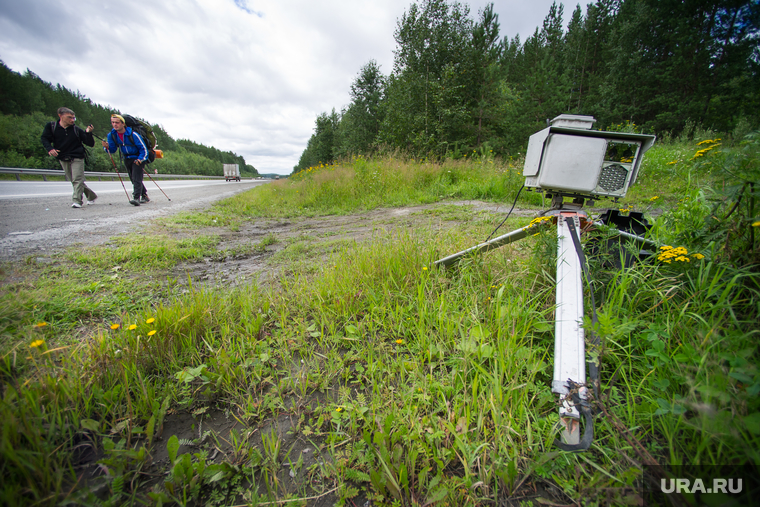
x=146 y=132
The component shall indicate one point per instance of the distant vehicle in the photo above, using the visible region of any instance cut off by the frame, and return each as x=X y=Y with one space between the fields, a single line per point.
x=231 y=172
x=277 y=177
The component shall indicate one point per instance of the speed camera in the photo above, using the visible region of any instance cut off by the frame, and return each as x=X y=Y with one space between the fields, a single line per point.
x=568 y=158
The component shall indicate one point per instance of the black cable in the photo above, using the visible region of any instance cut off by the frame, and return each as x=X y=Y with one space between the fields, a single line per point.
x=593 y=338
x=505 y=218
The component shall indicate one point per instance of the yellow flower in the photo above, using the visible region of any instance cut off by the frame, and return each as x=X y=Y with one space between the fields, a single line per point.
x=756 y=224
x=424 y=268
x=41 y=324
x=150 y=320
x=339 y=409
x=36 y=343
x=114 y=326
x=400 y=341
x=133 y=327
x=654 y=198
x=151 y=332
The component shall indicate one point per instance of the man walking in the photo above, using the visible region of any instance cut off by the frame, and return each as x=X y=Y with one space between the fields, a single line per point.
x=64 y=141
x=135 y=154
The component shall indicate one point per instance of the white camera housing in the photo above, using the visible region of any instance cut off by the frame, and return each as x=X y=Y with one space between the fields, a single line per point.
x=569 y=158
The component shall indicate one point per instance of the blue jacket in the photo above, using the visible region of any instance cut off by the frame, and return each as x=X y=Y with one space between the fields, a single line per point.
x=133 y=147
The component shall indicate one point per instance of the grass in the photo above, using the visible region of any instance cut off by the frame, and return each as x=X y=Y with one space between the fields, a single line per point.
x=388 y=182
x=408 y=385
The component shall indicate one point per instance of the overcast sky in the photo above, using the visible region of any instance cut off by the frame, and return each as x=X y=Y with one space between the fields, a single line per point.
x=248 y=76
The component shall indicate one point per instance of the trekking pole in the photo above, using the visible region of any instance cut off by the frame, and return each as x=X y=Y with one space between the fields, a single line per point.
x=114 y=166
x=119 y=175
x=154 y=182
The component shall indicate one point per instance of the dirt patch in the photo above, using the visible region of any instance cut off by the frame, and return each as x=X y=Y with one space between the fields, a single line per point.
x=242 y=261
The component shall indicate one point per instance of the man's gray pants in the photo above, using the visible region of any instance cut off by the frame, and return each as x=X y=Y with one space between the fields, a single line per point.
x=74 y=171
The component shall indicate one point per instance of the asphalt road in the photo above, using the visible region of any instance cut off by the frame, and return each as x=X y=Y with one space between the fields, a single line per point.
x=36 y=217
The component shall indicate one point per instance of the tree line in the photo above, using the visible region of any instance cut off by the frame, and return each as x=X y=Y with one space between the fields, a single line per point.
x=457 y=85
x=27 y=103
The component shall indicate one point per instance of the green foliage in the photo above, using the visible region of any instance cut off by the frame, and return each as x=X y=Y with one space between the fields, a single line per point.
x=409 y=384
x=323 y=146
x=367 y=184
x=722 y=216
x=27 y=103
x=360 y=123
x=457 y=85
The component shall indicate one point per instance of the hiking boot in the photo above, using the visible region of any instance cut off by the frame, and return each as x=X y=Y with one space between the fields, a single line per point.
x=144 y=199
x=134 y=202
x=76 y=205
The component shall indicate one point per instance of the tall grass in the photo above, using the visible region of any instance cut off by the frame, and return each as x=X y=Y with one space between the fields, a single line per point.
x=412 y=385
x=362 y=184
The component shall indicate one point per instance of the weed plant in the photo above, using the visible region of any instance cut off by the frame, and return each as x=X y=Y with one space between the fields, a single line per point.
x=409 y=385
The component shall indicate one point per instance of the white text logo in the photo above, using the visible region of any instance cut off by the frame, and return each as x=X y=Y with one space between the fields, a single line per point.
x=698 y=486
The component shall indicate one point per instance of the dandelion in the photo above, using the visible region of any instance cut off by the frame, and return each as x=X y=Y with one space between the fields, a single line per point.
x=133 y=327
x=41 y=324
x=150 y=320
x=537 y=221
x=36 y=343
x=654 y=198
x=114 y=326
x=400 y=341
x=151 y=332
x=668 y=254
x=424 y=268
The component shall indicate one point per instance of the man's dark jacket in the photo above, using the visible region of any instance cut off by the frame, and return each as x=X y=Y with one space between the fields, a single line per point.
x=68 y=141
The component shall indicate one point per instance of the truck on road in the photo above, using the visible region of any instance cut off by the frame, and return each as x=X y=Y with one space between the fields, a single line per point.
x=231 y=172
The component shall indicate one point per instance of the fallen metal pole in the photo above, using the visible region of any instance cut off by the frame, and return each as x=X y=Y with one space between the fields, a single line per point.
x=505 y=239
x=628 y=235
x=569 y=336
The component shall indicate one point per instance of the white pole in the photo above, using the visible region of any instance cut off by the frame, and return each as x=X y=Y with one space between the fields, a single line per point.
x=569 y=350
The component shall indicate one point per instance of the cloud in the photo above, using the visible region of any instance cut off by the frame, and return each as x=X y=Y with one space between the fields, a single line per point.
x=248 y=76
x=243 y=5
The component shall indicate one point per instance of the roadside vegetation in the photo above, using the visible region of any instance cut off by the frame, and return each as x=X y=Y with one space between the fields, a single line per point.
x=28 y=103
x=366 y=373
